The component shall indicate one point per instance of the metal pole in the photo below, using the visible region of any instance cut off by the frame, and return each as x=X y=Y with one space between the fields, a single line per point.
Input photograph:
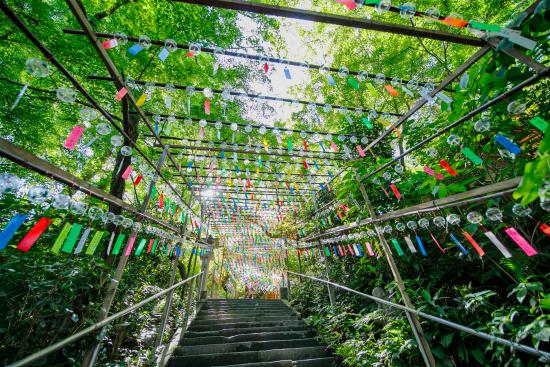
x=168 y=301
x=90 y=356
x=423 y=345
x=330 y=290
x=97 y=326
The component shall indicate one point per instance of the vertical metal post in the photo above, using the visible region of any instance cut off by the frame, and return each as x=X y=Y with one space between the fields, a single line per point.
x=91 y=353
x=423 y=345
x=168 y=301
x=330 y=289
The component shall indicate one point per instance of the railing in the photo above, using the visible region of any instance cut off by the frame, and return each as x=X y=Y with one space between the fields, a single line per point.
x=97 y=326
x=545 y=356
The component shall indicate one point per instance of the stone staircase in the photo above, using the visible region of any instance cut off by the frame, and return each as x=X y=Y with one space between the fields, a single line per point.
x=246 y=333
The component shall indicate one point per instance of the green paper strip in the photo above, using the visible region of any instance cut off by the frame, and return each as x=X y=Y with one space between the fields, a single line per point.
x=61 y=238
x=371 y=2
x=397 y=247
x=539 y=123
x=141 y=246
x=372 y=90
x=154 y=247
x=183 y=216
x=168 y=250
x=153 y=193
x=289 y=145
x=68 y=246
x=95 y=241
x=472 y=156
x=118 y=244
x=327 y=252
x=367 y=123
x=485 y=27
x=353 y=82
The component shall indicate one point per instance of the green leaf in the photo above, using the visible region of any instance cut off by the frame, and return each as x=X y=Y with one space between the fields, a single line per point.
x=446 y=339
x=478 y=355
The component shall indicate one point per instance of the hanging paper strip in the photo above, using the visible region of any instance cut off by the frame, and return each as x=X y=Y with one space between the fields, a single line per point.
x=539 y=123
x=110 y=43
x=118 y=244
x=358 y=249
x=334 y=251
x=410 y=244
x=94 y=242
x=71 y=238
x=455 y=22
x=447 y=167
x=352 y=253
x=472 y=156
x=110 y=244
x=507 y=144
x=353 y=83
x=360 y=151
x=163 y=54
x=391 y=90
x=369 y=249
x=521 y=241
x=437 y=243
x=155 y=243
x=367 y=123
x=455 y=240
x=397 y=247
x=61 y=238
x=350 y=4
x=10 y=229
x=474 y=243
x=431 y=172
x=395 y=192
x=207 y=106
x=73 y=137
x=138 y=180
x=141 y=100
x=545 y=228
x=34 y=234
x=327 y=251
x=135 y=49
x=287 y=73
x=82 y=240
x=484 y=27
x=421 y=245
x=127 y=172
x=330 y=80
x=266 y=67
x=121 y=93
x=130 y=245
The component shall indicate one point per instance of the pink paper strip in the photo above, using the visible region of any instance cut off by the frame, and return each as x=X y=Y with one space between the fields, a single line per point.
x=130 y=245
x=369 y=249
x=437 y=243
x=121 y=93
x=520 y=241
x=73 y=137
x=361 y=151
x=110 y=43
x=350 y=4
x=439 y=176
x=207 y=107
x=334 y=146
x=127 y=172
x=429 y=171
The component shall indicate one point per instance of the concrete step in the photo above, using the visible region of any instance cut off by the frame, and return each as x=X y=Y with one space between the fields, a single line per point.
x=245 y=325
x=224 y=359
x=249 y=337
x=246 y=308
x=216 y=320
x=233 y=331
x=245 y=346
x=243 y=313
x=316 y=362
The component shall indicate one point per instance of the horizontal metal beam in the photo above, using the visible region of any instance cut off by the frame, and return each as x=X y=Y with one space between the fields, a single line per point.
x=360 y=23
x=43 y=167
x=248 y=95
x=513 y=345
x=260 y=172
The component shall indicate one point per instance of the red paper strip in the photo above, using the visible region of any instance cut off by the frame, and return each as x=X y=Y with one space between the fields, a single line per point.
x=455 y=22
x=334 y=146
x=395 y=191
x=447 y=168
x=189 y=54
x=305 y=145
x=207 y=106
x=520 y=241
x=474 y=243
x=266 y=67
x=121 y=93
x=360 y=150
x=127 y=172
x=34 y=234
x=350 y=4
x=138 y=180
x=305 y=164
x=392 y=91
x=345 y=251
x=150 y=245
x=545 y=228
x=352 y=253
x=161 y=201
x=248 y=183
x=73 y=137
x=110 y=44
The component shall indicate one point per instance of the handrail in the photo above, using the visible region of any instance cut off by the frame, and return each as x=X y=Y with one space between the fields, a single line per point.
x=480 y=334
x=98 y=325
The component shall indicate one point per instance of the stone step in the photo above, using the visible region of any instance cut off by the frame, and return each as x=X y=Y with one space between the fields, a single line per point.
x=245 y=325
x=249 y=337
x=245 y=346
x=316 y=362
x=245 y=308
x=216 y=320
x=233 y=331
x=204 y=312
x=272 y=355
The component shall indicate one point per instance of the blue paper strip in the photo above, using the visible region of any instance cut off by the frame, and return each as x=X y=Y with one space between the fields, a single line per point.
x=507 y=144
x=287 y=73
x=330 y=80
x=359 y=250
x=10 y=229
x=464 y=251
x=163 y=54
x=421 y=245
x=335 y=251
x=135 y=49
